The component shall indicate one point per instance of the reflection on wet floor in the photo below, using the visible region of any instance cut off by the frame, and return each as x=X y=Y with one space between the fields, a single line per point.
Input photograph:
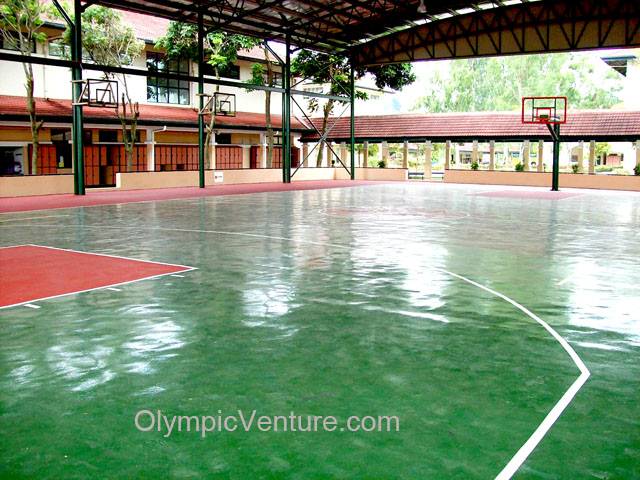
x=334 y=302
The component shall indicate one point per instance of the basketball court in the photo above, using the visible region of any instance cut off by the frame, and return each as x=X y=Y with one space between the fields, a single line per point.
x=497 y=325
x=488 y=324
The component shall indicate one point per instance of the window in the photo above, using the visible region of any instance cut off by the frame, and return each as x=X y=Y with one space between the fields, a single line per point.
x=163 y=90
x=12 y=43
x=230 y=71
x=59 y=49
x=108 y=136
x=276 y=81
x=223 y=139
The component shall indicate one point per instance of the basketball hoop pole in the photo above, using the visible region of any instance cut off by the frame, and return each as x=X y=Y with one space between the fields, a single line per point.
x=555 y=174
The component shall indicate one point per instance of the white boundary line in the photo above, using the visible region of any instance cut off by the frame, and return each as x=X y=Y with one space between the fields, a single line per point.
x=110 y=286
x=543 y=428
x=536 y=437
x=30 y=218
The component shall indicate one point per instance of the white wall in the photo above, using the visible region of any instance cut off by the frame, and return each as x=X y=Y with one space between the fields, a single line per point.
x=55 y=82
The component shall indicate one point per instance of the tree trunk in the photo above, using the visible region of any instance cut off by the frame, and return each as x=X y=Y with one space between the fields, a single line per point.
x=34 y=124
x=267 y=108
x=267 y=115
x=325 y=120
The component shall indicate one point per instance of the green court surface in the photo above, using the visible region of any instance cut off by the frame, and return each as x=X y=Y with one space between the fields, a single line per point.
x=353 y=301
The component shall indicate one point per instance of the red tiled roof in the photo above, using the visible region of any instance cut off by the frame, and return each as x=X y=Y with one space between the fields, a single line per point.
x=585 y=124
x=12 y=107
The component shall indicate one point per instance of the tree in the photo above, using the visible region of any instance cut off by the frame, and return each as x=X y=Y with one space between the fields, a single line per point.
x=264 y=74
x=221 y=51
x=107 y=41
x=20 y=22
x=334 y=70
x=498 y=84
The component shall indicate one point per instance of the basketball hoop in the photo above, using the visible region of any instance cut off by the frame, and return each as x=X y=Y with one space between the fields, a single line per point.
x=544 y=110
x=219 y=104
x=97 y=93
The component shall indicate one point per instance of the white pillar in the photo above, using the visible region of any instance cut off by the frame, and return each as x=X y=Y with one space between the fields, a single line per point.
x=474 y=152
x=540 y=166
x=492 y=155
x=212 y=149
x=262 y=160
x=447 y=155
x=365 y=155
x=526 y=148
x=581 y=156
x=592 y=158
x=427 y=160
x=343 y=153
x=405 y=154
x=305 y=154
x=329 y=155
x=151 y=150
x=637 y=152
x=385 y=152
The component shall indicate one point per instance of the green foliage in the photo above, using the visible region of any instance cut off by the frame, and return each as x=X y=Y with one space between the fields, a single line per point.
x=498 y=84
x=20 y=22
x=636 y=170
x=519 y=167
x=395 y=76
x=382 y=164
x=575 y=168
x=220 y=48
x=106 y=40
x=602 y=148
x=475 y=166
x=334 y=70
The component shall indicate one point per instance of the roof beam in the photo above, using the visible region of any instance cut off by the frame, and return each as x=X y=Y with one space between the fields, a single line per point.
x=531 y=27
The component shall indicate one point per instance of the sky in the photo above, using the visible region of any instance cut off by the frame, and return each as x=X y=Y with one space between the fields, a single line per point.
x=405 y=100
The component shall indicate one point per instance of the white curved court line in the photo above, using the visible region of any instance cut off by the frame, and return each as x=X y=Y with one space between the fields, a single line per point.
x=536 y=437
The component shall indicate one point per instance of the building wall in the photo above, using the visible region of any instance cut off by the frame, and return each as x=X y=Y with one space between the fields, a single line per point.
x=55 y=82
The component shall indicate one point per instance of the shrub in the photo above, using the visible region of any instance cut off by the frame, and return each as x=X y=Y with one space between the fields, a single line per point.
x=519 y=167
x=382 y=164
x=636 y=169
x=475 y=166
x=575 y=168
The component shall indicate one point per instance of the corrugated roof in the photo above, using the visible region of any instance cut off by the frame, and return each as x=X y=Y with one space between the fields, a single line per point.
x=13 y=107
x=586 y=124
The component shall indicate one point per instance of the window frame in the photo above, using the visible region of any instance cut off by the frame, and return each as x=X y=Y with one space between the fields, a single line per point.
x=163 y=90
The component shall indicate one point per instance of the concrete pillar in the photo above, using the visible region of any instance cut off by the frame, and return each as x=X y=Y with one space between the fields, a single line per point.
x=637 y=152
x=365 y=155
x=385 y=152
x=151 y=153
x=427 y=160
x=246 y=156
x=526 y=149
x=343 y=153
x=474 y=152
x=581 y=156
x=305 y=154
x=492 y=155
x=262 y=153
x=329 y=154
x=540 y=166
x=447 y=155
x=592 y=158
x=405 y=154
x=212 y=151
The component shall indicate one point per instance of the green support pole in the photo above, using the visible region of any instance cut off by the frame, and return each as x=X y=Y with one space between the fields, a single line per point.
x=201 y=134
x=352 y=124
x=76 y=75
x=286 y=121
x=556 y=159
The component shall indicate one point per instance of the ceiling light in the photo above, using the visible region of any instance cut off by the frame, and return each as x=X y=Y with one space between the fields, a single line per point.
x=422 y=8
